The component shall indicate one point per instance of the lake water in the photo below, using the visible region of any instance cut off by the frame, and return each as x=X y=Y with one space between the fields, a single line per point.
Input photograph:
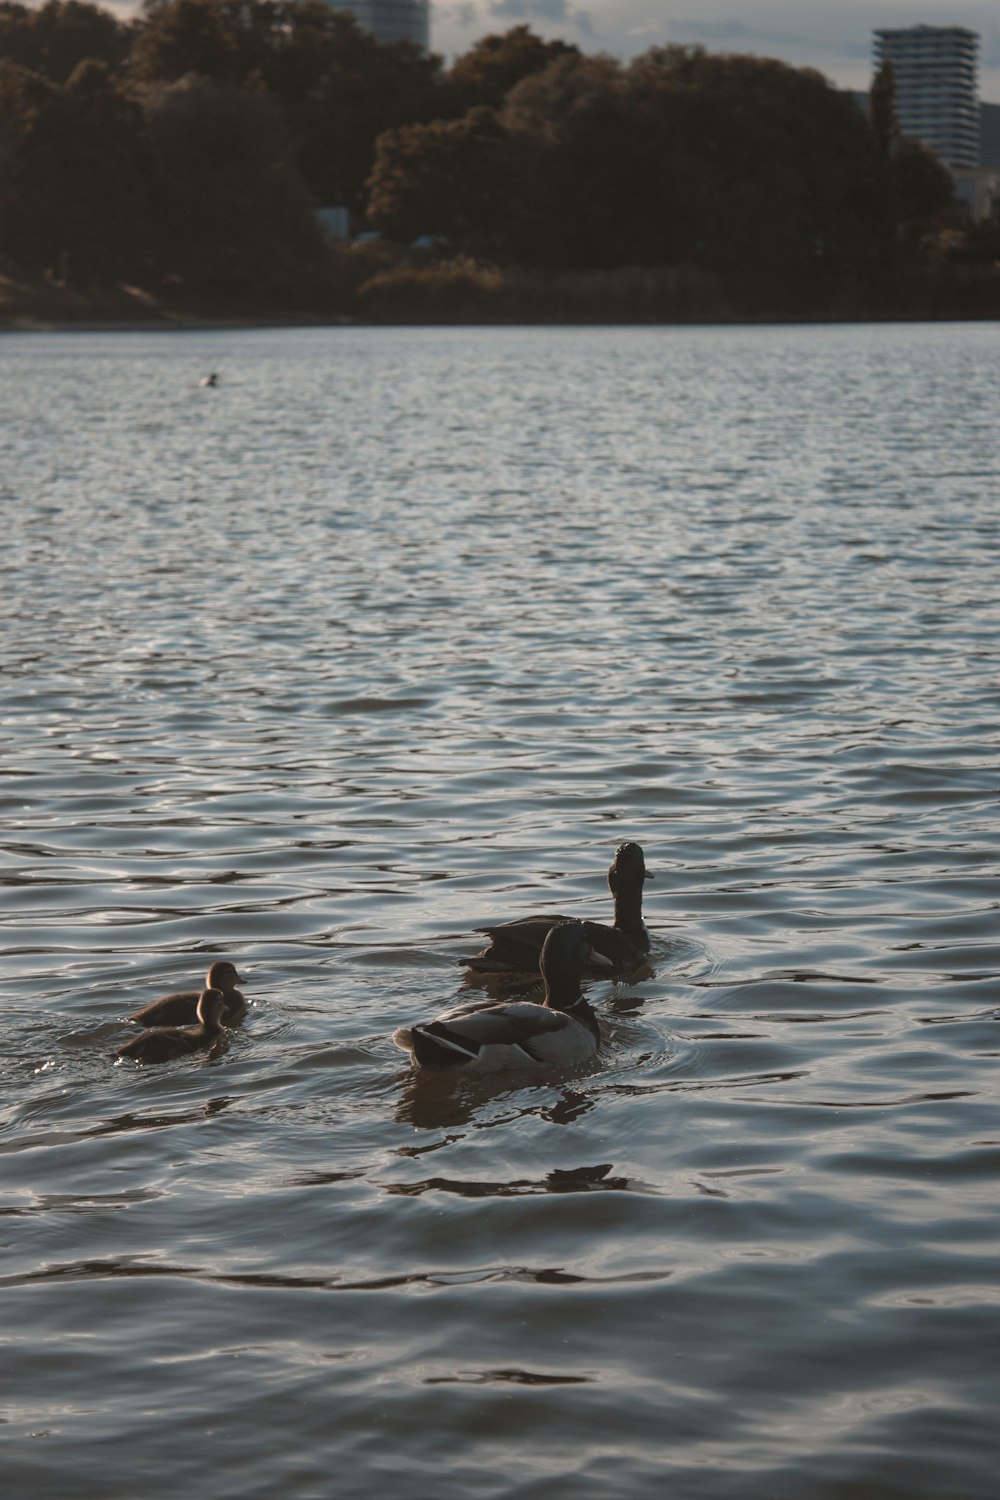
x=397 y=631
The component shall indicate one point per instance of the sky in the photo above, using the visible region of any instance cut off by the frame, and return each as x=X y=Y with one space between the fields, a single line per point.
x=833 y=36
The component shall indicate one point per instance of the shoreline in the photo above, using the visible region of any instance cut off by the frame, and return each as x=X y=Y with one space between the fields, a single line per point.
x=249 y=324
x=168 y=325
x=447 y=297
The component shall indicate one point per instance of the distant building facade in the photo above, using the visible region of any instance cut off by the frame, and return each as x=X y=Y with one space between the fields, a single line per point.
x=989 y=135
x=392 y=20
x=936 y=91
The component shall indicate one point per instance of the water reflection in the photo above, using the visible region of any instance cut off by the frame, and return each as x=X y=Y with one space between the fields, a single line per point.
x=413 y=628
x=429 y=1102
x=126 y=1270
x=559 y=1180
x=512 y=1377
x=570 y=1107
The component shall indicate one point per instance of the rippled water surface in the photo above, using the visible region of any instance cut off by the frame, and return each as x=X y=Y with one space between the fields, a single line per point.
x=397 y=631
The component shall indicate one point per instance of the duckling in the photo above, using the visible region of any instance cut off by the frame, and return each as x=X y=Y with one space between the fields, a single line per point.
x=563 y=1030
x=515 y=946
x=180 y=1009
x=163 y=1042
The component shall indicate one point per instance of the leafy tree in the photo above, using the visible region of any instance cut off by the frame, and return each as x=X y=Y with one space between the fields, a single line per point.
x=366 y=88
x=282 y=46
x=914 y=193
x=882 y=109
x=54 y=38
x=24 y=99
x=339 y=88
x=789 y=162
x=178 y=37
x=451 y=178
x=232 y=213
x=490 y=69
x=588 y=178
x=923 y=191
x=756 y=171
x=72 y=193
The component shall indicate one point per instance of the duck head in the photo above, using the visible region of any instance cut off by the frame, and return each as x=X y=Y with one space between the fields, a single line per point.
x=625 y=877
x=222 y=976
x=565 y=955
x=628 y=869
x=211 y=1008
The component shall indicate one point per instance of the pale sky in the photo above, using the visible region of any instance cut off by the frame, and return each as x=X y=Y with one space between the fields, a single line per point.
x=833 y=36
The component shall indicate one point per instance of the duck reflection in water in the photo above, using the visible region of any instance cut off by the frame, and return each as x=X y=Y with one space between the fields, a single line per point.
x=596 y=1179
x=515 y=947
x=161 y=1043
x=136 y=1120
x=442 y=1101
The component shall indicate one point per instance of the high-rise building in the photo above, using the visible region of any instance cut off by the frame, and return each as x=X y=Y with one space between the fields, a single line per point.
x=391 y=20
x=936 y=95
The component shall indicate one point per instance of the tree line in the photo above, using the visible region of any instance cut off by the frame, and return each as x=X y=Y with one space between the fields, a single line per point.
x=186 y=151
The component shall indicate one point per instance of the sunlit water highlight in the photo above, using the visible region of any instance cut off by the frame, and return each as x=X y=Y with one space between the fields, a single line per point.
x=397 y=631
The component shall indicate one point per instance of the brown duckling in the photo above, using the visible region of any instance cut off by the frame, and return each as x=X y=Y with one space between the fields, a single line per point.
x=180 y=1009
x=515 y=947
x=161 y=1043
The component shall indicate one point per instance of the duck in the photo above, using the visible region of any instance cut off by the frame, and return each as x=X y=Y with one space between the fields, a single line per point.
x=160 y=1043
x=561 y=1031
x=515 y=946
x=181 y=1008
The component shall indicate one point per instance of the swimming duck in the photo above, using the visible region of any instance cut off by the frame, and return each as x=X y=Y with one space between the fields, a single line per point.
x=562 y=1030
x=180 y=1009
x=515 y=946
x=163 y=1042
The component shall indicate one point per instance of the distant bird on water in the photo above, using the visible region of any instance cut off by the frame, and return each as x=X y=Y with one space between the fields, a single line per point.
x=561 y=1031
x=161 y=1043
x=212 y=378
x=180 y=1008
x=514 y=947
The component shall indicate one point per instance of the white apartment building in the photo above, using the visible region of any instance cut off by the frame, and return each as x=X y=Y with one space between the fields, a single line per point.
x=936 y=90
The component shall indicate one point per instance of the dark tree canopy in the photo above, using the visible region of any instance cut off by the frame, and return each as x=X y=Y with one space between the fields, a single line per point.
x=54 y=38
x=72 y=182
x=232 y=211
x=452 y=179
x=923 y=191
x=882 y=108
x=366 y=88
x=338 y=87
x=759 y=171
x=490 y=69
x=195 y=143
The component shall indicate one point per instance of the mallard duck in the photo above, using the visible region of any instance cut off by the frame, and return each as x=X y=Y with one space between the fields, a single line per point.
x=562 y=1030
x=181 y=1009
x=515 y=946
x=161 y=1043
